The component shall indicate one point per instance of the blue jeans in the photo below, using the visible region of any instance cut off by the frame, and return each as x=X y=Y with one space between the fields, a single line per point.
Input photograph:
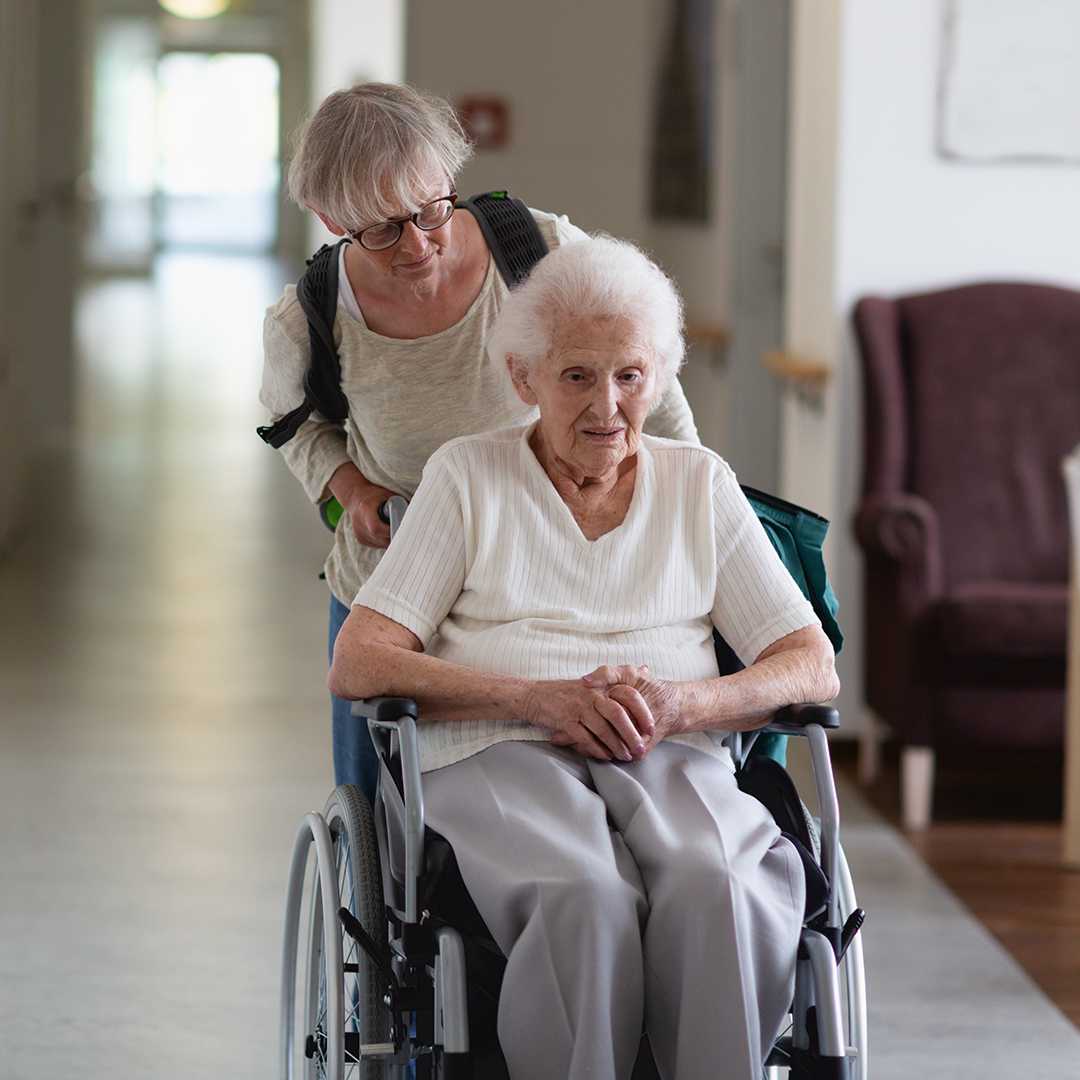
x=355 y=760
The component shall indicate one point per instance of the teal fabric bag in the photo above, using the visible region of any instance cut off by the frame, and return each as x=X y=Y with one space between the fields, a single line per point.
x=798 y=536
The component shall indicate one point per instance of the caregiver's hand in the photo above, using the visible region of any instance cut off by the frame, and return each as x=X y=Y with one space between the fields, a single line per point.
x=641 y=696
x=363 y=509
x=361 y=501
x=584 y=719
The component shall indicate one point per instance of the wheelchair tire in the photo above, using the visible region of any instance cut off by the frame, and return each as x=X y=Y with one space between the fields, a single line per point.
x=359 y=881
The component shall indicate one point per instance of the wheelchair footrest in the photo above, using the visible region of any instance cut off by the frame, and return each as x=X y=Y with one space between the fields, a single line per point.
x=355 y=1050
x=803 y=1065
x=809 y=1063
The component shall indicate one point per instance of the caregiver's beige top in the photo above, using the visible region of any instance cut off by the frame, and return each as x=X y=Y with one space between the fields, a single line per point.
x=406 y=398
x=490 y=570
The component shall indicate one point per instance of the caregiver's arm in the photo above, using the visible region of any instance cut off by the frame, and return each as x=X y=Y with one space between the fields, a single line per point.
x=374 y=656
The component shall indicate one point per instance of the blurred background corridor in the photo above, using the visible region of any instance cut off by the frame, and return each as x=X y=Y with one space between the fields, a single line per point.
x=164 y=721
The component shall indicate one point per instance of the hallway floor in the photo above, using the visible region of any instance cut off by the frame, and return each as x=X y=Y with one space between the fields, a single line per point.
x=165 y=726
x=165 y=723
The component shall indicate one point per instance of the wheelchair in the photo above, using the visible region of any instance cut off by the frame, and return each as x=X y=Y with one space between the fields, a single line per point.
x=401 y=972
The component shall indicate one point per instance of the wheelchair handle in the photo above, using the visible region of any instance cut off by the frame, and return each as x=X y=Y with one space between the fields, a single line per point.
x=392 y=511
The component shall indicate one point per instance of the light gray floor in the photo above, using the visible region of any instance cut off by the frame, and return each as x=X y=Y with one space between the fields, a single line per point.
x=163 y=727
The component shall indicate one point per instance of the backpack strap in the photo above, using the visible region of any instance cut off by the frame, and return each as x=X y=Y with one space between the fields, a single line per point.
x=516 y=245
x=511 y=233
x=317 y=292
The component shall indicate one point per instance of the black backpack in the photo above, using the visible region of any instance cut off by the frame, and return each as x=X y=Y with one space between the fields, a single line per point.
x=516 y=246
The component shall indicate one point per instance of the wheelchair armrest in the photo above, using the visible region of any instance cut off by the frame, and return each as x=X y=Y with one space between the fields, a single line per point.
x=382 y=709
x=792 y=719
x=810 y=721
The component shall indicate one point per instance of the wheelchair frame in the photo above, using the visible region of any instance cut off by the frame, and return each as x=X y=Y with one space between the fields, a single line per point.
x=427 y=964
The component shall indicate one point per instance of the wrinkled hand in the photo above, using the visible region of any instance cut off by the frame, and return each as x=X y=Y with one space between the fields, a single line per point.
x=588 y=720
x=363 y=510
x=641 y=695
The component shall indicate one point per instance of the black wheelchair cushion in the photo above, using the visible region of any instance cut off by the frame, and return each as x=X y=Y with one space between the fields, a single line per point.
x=442 y=892
x=768 y=781
x=817 y=884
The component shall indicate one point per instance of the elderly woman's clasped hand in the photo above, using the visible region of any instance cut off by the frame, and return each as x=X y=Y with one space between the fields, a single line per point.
x=613 y=713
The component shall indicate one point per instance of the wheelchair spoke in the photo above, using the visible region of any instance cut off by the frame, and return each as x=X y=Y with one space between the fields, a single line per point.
x=355 y=872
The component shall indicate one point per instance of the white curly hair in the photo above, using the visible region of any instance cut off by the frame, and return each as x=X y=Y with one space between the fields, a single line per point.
x=600 y=277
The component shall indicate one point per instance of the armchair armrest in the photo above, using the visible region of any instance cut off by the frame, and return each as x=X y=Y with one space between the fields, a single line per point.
x=901 y=530
x=904 y=579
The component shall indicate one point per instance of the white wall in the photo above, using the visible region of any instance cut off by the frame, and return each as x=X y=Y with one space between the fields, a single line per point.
x=353 y=41
x=875 y=210
x=911 y=220
x=579 y=80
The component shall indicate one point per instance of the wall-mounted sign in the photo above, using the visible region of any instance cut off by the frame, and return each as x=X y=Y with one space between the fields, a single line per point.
x=486 y=120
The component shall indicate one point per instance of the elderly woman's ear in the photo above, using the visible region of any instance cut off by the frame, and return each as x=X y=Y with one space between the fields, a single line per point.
x=337 y=230
x=519 y=373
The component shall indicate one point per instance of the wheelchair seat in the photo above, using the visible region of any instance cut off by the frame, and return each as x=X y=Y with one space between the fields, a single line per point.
x=395 y=921
x=446 y=900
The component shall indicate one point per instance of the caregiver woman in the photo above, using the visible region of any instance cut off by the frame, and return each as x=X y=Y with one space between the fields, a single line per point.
x=418 y=293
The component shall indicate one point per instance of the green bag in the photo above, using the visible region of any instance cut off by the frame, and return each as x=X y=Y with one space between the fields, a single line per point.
x=798 y=536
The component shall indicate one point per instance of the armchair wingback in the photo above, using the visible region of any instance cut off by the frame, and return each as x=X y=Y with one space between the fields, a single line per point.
x=971 y=400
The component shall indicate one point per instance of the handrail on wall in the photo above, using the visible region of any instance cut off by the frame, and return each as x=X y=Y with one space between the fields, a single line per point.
x=712 y=336
x=808 y=377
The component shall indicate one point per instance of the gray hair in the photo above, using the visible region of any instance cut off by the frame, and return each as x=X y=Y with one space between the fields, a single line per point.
x=600 y=277
x=368 y=151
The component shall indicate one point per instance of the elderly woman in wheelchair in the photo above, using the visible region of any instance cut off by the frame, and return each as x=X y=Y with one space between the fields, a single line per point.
x=549 y=603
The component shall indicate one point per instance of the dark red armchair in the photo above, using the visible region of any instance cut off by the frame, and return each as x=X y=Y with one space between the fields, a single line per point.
x=971 y=400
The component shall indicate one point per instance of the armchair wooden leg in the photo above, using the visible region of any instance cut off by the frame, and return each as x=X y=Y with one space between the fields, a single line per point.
x=870 y=738
x=916 y=786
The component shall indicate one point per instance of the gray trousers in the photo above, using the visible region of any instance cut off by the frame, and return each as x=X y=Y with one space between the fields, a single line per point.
x=654 y=895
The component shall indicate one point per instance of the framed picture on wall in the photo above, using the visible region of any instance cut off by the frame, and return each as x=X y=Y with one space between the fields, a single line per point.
x=1009 y=81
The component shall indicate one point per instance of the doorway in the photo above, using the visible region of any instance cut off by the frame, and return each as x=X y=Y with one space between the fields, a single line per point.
x=185 y=151
x=217 y=155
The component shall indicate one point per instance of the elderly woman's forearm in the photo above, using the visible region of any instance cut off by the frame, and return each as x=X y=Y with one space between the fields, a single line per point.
x=745 y=700
x=444 y=691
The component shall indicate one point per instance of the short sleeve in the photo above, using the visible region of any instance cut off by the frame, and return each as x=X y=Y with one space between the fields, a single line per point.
x=418 y=580
x=757 y=601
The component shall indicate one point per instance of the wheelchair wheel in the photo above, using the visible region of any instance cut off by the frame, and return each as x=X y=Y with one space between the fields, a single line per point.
x=355 y=981
x=853 y=978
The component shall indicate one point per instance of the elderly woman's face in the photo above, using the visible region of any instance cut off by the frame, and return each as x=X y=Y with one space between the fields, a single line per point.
x=594 y=391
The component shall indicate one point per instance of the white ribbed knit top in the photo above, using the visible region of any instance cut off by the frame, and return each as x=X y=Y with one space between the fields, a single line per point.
x=490 y=570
